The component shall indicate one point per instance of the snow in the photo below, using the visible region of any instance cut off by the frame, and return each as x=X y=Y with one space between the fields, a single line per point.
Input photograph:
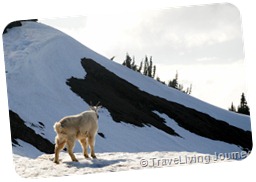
x=25 y=148
x=109 y=162
x=150 y=139
x=39 y=60
x=193 y=142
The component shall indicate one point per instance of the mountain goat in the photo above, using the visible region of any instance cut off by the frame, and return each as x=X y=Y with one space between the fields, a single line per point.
x=82 y=127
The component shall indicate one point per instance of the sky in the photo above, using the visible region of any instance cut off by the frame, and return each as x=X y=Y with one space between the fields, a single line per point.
x=204 y=44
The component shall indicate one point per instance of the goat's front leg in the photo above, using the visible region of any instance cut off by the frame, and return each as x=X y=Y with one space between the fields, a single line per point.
x=84 y=145
x=70 y=147
x=91 y=140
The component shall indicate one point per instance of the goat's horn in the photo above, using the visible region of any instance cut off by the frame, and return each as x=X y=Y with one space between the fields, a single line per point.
x=98 y=103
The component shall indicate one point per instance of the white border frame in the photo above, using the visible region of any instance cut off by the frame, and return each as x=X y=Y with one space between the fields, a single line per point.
x=11 y=10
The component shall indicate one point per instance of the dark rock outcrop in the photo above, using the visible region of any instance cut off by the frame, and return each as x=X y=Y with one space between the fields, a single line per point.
x=20 y=131
x=17 y=23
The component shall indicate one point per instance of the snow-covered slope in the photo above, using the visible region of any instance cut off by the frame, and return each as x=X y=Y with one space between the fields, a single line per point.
x=39 y=60
x=109 y=162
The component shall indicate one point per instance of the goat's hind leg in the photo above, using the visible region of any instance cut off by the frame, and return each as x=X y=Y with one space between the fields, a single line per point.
x=91 y=140
x=60 y=143
x=70 y=147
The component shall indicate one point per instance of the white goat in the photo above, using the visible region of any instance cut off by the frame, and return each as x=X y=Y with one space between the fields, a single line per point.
x=83 y=126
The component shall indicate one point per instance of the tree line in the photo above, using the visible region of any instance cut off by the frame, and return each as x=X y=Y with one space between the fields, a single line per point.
x=147 y=68
x=242 y=108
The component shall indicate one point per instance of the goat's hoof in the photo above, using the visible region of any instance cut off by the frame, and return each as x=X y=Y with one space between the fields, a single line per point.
x=86 y=156
x=94 y=156
x=56 y=162
x=74 y=160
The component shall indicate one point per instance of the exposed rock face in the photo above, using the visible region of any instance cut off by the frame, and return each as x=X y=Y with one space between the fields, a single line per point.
x=17 y=23
x=20 y=131
x=128 y=104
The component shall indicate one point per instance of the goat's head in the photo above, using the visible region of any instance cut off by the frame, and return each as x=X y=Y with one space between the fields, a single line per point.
x=96 y=107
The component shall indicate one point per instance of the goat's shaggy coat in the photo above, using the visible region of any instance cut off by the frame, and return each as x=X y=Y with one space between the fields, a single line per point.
x=83 y=126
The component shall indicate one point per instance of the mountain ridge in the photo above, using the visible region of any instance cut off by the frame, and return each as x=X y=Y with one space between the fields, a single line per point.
x=44 y=74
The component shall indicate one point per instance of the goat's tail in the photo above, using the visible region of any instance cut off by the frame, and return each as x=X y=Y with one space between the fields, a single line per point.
x=57 y=127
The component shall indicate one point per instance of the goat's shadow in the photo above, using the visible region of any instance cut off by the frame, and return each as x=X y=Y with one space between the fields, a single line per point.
x=93 y=163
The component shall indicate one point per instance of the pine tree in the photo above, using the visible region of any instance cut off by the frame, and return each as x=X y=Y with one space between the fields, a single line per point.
x=175 y=84
x=140 y=68
x=232 y=108
x=189 y=90
x=158 y=79
x=150 y=67
x=145 y=71
x=243 y=108
x=130 y=62
x=154 y=71
x=127 y=61
x=146 y=67
x=133 y=65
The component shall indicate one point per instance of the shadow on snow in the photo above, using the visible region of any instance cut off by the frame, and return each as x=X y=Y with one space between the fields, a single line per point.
x=93 y=163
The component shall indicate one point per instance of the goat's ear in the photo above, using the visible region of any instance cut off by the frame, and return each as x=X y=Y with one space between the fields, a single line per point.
x=98 y=108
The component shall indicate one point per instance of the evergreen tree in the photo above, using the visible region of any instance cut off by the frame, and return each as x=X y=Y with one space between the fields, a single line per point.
x=133 y=65
x=232 y=108
x=145 y=70
x=148 y=69
x=158 y=79
x=127 y=61
x=130 y=62
x=147 y=65
x=189 y=90
x=140 y=67
x=175 y=84
x=243 y=108
x=154 y=71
